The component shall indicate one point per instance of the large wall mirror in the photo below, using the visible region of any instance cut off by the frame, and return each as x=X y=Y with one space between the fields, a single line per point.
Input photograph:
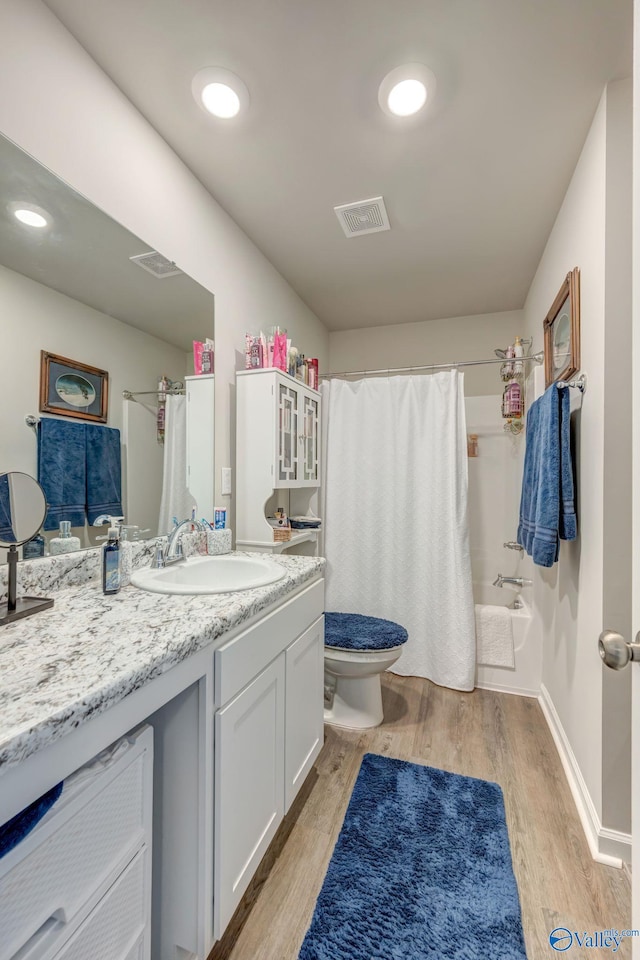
x=70 y=289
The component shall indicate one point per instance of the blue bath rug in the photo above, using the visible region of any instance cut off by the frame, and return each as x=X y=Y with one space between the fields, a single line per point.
x=421 y=871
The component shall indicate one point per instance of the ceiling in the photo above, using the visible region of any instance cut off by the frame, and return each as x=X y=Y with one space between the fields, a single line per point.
x=472 y=186
x=85 y=255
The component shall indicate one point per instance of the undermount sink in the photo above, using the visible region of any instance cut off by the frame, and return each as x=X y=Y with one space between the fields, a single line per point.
x=199 y=575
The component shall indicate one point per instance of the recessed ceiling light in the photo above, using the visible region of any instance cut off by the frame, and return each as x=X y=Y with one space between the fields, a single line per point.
x=405 y=90
x=407 y=97
x=220 y=92
x=30 y=214
x=221 y=100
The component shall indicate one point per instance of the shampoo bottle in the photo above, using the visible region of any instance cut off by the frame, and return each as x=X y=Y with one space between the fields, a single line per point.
x=64 y=542
x=518 y=351
x=111 y=563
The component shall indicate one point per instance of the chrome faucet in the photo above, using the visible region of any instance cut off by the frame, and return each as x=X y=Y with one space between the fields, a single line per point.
x=514 y=581
x=172 y=553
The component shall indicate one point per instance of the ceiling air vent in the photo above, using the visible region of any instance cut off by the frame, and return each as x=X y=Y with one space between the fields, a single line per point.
x=364 y=216
x=156 y=264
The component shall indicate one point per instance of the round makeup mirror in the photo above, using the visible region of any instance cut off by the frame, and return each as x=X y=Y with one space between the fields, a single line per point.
x=22 y=508
x=22 y=511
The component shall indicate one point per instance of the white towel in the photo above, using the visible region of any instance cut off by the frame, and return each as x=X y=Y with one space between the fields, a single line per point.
x=494 y=636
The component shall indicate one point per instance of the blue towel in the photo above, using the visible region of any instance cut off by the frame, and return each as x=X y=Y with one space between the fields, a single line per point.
x=547 y=510
x=6 y=521
x=104 y=472
x=62 y=472
x=16 y=829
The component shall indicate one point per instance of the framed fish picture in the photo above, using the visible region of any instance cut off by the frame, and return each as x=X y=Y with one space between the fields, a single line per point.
x=72 y=389
x=562 y=332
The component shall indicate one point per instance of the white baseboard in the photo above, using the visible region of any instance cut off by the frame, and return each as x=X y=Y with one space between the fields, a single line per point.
x=506 y=688
x=607 y=846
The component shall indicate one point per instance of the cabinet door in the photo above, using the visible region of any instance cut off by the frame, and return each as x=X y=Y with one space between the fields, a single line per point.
x=288 y=435
x=304 y=723
x=249 y=785
x=310 y=439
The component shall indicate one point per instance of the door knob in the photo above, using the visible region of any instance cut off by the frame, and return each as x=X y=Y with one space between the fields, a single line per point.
x=615 y=651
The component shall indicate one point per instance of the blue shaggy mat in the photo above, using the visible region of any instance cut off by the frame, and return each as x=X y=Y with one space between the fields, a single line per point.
x=421 y=871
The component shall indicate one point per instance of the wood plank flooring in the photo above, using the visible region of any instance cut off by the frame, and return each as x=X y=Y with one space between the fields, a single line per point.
x=483 y=734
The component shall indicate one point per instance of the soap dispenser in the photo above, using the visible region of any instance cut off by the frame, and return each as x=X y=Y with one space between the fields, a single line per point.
x=111 y=562
x=64 y=543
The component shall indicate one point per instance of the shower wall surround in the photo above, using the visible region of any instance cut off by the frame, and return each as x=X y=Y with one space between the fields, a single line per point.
x=495 y=480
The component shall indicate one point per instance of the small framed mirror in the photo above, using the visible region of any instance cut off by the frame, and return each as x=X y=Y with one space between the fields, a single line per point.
x=22 y=511
x=561 y=328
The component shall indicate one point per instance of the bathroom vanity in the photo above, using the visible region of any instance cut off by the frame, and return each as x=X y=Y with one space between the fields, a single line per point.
x=224 y=691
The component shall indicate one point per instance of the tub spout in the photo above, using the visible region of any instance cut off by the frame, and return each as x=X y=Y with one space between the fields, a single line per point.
x=514 y=581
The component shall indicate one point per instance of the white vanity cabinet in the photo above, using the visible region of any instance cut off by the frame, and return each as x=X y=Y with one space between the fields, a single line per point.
x=268 y=732
x=278 y=423
x=222 y=744
x=79 y=885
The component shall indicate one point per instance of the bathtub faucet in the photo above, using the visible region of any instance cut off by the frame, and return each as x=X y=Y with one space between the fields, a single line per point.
x=515 y=581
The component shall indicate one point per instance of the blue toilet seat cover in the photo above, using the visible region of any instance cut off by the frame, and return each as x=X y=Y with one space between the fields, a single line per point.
x=353 y=631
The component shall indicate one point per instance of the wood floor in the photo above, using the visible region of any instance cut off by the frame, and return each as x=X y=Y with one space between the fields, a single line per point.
x=482 y=734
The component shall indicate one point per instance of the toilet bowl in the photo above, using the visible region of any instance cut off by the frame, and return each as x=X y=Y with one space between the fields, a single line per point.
x=357 y=650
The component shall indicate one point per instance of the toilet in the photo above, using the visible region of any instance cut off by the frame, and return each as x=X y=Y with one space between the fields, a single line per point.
x=357 y=649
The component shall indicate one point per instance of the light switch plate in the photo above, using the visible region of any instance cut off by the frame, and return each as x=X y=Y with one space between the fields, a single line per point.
x=226 y=481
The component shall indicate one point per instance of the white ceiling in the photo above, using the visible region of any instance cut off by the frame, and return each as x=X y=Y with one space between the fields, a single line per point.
x=472 y=187
x=85 y=255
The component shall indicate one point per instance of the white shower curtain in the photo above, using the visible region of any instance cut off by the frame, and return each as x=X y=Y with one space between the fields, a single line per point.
x=176 y=500
x=395 y=527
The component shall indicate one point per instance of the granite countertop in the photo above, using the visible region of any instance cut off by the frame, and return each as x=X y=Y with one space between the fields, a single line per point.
x=88 y=652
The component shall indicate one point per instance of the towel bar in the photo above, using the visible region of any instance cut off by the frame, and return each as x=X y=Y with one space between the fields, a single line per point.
x=580 y=384
x=31 y=421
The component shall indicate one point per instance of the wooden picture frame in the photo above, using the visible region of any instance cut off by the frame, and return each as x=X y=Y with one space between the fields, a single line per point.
x=72 y=389
x=562 y=332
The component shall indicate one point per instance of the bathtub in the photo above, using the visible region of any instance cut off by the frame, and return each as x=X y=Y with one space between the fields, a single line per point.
x=525 y=677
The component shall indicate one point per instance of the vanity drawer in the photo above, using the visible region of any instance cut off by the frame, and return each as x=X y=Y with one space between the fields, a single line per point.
x=117 y=928
x=237 y=662
x=56 y=875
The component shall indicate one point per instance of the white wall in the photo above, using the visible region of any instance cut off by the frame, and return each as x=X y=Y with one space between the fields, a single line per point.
x=570 y=597
x=61 y=108
x=35 y=318
x=433 y=341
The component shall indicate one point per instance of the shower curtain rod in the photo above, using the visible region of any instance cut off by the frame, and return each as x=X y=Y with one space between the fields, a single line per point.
x=535 y=358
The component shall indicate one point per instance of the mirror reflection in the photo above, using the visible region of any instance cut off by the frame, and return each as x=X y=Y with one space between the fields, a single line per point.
x=99 y=331
x=22 y=508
